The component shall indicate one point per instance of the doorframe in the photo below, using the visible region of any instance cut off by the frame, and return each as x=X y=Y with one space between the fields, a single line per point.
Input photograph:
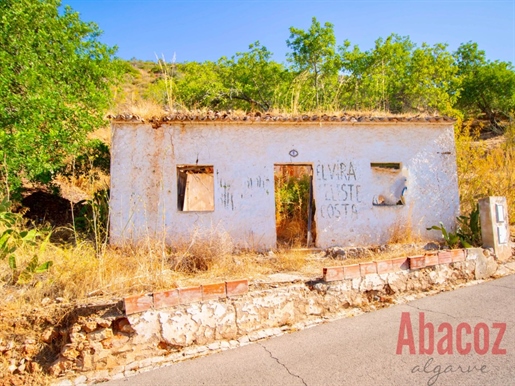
x=310 y=241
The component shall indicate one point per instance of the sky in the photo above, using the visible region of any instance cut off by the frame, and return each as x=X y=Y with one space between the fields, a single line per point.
x=199 y=30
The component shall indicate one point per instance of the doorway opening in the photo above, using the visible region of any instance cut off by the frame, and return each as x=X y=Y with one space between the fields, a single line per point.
x=294 y=205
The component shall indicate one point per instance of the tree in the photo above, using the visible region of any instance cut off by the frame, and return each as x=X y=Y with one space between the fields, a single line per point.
x=486 y=87
x=397 y=76
x=255 y=78
x=431 y=76
x=200 y=85
x=314 y=51
x=54 y=87
x=376 y=79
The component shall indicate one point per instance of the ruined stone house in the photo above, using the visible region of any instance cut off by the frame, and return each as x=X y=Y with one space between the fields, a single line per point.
x=371 y=177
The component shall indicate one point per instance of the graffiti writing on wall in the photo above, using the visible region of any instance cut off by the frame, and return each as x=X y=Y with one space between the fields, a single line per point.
x=226 y=198
x=339 y=190
x=257 y=182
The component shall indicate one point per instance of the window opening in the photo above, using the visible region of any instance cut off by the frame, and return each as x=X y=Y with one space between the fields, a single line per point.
x=195 y=188
x=386 y=165
x=390 y=182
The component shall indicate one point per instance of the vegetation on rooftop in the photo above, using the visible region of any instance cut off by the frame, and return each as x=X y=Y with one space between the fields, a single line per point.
x=319 y=75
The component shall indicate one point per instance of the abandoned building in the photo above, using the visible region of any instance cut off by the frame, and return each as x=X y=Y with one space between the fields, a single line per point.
x=369 y=177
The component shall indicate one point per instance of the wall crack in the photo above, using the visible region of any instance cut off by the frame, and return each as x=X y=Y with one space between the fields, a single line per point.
x=238 y=332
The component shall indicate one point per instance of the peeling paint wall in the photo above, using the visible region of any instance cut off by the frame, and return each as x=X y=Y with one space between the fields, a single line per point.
x=144 y=179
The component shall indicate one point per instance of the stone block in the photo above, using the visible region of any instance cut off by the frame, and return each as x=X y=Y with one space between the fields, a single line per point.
x=100 y=334
x=367 y=268
x=115 y=341
x=485 y=267
x=213 y=291
x=417 y=262
x=90 y=325
x=384 y=266
x=166 y=299
x=351 y=271
x=190 y=294
x=69 y=351
x=473 y=253
x=333 y=273
x=495 y=226
x=444 y=257
x=431 y=259
x=138 y=303
x=458 y=255
x=237 y=287
x=103 y=322
x=400 y=264
x=60 y=366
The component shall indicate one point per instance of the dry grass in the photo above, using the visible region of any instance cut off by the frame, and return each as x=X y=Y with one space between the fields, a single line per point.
x=143 y=108
x=485 y=168
x=147 y=109
x=402 y=232
x=78 y=274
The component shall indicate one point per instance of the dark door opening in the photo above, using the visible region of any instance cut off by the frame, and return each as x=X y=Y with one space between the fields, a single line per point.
x=294 y=206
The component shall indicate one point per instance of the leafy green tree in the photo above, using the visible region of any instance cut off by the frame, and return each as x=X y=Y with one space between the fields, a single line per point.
x=314 y=53
x=398 y=76
x=379 y=76
x=54 y=87
x=486 y=87
x=200 y=85
x=431 y=78
x=253 y=77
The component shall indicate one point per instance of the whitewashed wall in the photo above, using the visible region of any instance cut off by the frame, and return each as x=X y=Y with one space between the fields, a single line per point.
x=144 y=178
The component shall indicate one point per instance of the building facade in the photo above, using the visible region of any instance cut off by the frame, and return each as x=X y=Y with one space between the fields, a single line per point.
x=370 y=178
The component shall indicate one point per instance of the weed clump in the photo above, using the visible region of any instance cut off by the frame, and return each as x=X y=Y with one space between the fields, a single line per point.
x=206 y=249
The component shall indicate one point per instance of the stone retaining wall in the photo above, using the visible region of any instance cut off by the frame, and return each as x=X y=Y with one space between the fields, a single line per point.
x=146 y=331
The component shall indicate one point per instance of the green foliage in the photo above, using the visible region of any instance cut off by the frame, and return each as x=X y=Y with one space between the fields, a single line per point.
x=486 y=87
x=314 y=53
x=469 y=229
x=452 y=239
x=399 y=77
x=468 y=232
x=13 y=240
x=200 y=85
x=252 y=77
x=291 y=197
x=95 y=155
x=93 y=219
x=54 y=87
x=395 y=75
x=291 y=207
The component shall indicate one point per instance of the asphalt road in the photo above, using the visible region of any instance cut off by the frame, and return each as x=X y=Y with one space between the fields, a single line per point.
x=363 y=350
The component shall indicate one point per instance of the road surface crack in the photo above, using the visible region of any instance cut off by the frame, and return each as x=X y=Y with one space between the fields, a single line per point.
x=502 y=286
x=453 y=317
x=282 y=364
x=432 y=311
